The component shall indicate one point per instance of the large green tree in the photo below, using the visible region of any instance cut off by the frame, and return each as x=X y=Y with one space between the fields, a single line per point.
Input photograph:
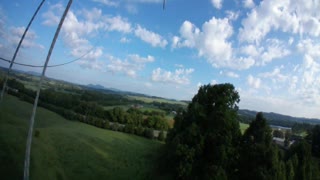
x=259 y=157
x=203 y=143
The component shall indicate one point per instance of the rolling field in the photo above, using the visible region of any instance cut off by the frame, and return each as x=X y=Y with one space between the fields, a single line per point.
x=243 y=127
x=70 y=150
x=126 y=107
x=160 y=100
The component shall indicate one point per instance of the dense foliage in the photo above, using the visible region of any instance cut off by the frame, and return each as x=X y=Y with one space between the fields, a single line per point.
x=206 y=143
x=87 y=106
x=259 y=157
x=314 y=137
x=206 y=136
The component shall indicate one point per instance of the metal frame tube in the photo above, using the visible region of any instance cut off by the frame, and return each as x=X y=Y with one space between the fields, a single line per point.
x=29 y=139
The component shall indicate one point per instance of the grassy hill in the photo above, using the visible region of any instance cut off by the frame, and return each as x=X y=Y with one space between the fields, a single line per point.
x=156 y=99
x=70 y=150
x=243 y=127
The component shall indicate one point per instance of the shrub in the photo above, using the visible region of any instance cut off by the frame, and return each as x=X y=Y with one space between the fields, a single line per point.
x=149 y=133
x=106 y=124
x=114 y=127
x=161 y=136
x=36 y=133
x=139 y=130
x=121 y=128
x=129 y=128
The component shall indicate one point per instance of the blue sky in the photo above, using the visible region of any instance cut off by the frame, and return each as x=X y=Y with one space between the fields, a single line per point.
x=269 y=50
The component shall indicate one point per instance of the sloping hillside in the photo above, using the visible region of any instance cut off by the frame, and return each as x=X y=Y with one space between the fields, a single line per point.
x=70 y=150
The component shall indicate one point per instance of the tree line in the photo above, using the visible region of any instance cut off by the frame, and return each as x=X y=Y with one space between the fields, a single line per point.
x=85 y=108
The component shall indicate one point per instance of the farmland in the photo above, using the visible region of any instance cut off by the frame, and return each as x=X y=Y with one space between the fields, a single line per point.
x=69 y=149
x=155 y=99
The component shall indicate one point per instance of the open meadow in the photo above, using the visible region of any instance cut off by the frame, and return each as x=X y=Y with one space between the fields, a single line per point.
x=67 y=149
x=243 y=127
x=155 y=99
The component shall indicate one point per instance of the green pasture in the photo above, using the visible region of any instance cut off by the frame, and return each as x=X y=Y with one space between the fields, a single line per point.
x=243 y=127
x=70 y=150
x=160 y=100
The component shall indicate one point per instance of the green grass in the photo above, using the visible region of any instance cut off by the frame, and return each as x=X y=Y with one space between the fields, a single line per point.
x=70 y=150
x=124 y=107
x=243 y=127
x=150 y=100
x=303 y=134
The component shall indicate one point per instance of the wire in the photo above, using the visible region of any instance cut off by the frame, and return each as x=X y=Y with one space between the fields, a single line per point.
x=56 y=65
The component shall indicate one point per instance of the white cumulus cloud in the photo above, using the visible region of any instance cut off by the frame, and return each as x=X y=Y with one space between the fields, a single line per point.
x=213 y=82
x=289 y=16
x=248 y=3
x=275 y=50
x=15 y=35
x=130 y=66
x=217 y=3
x=279 y=80
x=179 y=76
x=79 y=28
x=124 y=40
x=232 y=74
x=138 y=59
x=107 y=2
x=270 y=50
x=308 y=81
x=253 y=82
x=150 y=37
x=118 y=23
x=232 y=15
x=52 y=17
x=212 y=43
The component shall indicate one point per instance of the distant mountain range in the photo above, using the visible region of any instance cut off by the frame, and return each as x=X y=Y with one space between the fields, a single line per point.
x=97 y=86
x=21 y=71
x=277 y=119
x=33 y=73
x=101 y=88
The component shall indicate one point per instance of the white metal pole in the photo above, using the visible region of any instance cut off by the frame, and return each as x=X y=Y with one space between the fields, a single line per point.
x=29 y=138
